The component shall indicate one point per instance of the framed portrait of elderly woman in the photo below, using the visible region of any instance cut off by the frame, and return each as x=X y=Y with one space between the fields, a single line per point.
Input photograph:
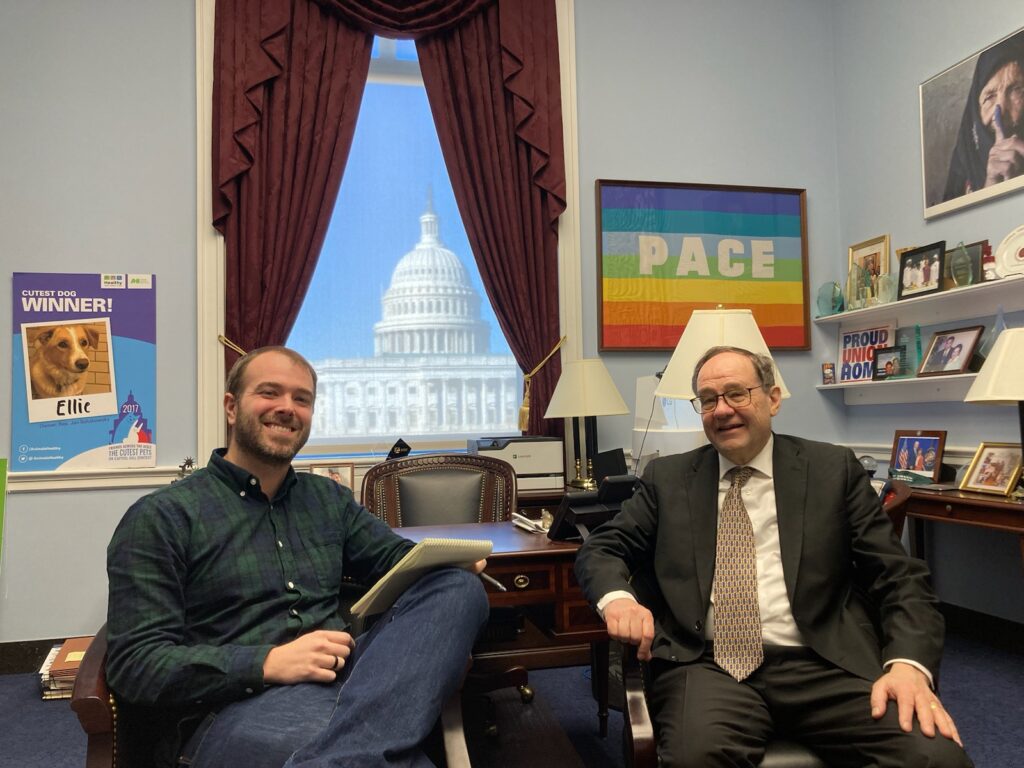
x=972 y=128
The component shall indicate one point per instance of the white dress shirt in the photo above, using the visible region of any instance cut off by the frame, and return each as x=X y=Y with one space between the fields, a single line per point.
x=778 y=627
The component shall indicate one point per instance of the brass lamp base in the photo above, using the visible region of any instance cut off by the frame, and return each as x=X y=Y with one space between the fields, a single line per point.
x=586 y=483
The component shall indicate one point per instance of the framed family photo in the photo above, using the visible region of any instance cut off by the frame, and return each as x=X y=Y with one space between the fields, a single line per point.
x=918 y=452
x=951 y=351
x=890 y=363
x=343 y=473
x=665 y=249
x=872 y=256
x=921 y=270
x=969 y=146
x=995 y=468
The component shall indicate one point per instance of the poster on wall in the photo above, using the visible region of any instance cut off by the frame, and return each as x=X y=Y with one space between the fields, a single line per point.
x=83 y=385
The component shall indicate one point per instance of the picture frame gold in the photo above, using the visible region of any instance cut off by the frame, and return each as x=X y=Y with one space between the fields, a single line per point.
x=871 y=255
x=341 y=472
x=995 y=468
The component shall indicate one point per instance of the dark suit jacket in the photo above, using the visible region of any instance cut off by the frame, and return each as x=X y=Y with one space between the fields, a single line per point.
x=857 y=597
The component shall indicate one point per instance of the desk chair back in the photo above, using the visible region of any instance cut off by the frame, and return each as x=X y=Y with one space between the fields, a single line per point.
x=440 y=489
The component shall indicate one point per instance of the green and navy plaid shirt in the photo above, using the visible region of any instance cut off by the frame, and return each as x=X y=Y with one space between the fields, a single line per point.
x=207 y=575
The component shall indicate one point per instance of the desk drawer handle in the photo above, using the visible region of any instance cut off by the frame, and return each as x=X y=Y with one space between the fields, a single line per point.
x=521 y=581
x=949 y=507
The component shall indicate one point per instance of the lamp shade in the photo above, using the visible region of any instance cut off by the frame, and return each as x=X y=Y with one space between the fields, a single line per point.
x=585 y=388
x=1001 y=380
x=709 y=328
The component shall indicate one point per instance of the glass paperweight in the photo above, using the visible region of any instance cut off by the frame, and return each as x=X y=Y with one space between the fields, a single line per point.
x=960 y=267
x=858 y=287
x=910 y=339
x=885 y=289
x=830 y=299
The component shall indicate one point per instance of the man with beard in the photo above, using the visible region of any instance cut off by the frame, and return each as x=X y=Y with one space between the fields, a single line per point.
x=224 y=622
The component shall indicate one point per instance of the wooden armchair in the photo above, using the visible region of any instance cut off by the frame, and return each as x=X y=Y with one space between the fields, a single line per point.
x=445 y=489
x=640 y=744
x=118 y=738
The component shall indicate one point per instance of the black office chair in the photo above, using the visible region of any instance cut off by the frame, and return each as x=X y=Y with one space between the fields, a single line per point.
x=447 y=489
x=640 y=743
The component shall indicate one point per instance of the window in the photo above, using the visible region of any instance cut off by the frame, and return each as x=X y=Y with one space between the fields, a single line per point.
x=396 y=320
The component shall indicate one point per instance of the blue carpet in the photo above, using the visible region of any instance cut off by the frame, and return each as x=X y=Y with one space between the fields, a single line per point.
x=981 y=685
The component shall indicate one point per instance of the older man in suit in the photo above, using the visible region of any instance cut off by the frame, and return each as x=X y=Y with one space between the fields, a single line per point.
x=777 y=599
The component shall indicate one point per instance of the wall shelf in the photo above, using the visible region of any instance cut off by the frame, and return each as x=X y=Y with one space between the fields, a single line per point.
x=927 y=389
x=980 y=300
x=947 y=308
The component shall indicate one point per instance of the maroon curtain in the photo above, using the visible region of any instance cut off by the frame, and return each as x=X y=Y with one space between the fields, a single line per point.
x=494 y=90
x=289 y=76
x=288 y=81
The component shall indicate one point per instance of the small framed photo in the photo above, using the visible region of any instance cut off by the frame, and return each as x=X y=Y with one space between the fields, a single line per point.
x=890 y=363
x=995 y=468
x=340 y=472
x=918 y=452
x=828 y=373
x=921 y=271
x=950 y=351
x=963 y=264
x=872 y=256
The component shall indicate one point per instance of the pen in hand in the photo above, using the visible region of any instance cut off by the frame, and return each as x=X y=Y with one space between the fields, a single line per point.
x=493 y=582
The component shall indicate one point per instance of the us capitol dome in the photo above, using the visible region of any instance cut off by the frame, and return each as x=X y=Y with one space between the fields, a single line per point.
x=431 y=370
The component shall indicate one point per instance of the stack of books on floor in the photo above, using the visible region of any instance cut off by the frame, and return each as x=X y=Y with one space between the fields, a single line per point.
x=59 y=669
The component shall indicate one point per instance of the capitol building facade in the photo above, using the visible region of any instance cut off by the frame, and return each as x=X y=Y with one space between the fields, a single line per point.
x=431 y=372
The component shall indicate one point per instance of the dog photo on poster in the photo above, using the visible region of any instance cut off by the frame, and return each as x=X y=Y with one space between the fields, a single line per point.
x=84 y=371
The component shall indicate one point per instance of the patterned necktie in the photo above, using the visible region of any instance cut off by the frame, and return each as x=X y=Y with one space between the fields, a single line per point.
x=738 y=645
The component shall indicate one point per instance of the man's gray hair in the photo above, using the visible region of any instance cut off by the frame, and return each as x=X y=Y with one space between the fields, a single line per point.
x=763 y=366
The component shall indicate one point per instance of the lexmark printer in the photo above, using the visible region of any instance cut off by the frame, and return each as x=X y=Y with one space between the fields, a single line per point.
x=538 y=461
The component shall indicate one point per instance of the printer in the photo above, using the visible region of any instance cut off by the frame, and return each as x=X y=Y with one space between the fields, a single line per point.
x=538 y=461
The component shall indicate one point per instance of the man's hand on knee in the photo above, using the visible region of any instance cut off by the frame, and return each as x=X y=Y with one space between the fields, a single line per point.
x=314 y=658
x=909 y=688
x=629 y=622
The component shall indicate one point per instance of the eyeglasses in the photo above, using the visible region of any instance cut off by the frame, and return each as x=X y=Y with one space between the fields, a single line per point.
x=736 y=398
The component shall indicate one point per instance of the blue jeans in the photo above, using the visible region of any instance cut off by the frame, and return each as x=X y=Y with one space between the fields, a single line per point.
x=380 y=709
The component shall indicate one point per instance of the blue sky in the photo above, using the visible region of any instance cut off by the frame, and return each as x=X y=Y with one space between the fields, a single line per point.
x=395 y=159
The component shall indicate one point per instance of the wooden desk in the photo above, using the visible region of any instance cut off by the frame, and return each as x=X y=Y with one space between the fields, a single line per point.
x=560 y=628
x=961 y=508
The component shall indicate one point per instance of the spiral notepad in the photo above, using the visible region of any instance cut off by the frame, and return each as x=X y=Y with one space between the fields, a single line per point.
x=425 y=556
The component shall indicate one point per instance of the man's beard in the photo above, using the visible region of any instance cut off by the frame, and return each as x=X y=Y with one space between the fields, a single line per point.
x=247 y=436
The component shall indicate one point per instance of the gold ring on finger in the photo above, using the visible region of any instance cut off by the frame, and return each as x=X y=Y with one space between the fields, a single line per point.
x=337 y=663
x=934 y=705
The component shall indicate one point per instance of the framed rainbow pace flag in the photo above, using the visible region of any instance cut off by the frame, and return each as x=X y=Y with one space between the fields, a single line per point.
x=667 y=249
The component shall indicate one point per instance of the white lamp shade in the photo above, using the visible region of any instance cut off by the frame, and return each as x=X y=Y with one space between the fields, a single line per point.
x=709 y=328
x=1001 y=380
x=585 y=388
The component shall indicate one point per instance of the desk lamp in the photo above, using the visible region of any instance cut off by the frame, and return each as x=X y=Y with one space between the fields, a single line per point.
x=1001 y=379
x=586 y=389
x=709 y=328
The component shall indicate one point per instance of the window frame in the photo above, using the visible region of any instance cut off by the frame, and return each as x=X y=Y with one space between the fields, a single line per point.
x=210 y=280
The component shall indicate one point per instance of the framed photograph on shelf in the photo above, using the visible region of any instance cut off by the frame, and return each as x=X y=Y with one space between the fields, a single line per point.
x=665 y=249
x=950 y=352
x=958 y=134
x=921 y=271
x=995 y=468
x=963 y=264
x=828 y=373
x=890 y=363
x=918 y=452
x=343 y=473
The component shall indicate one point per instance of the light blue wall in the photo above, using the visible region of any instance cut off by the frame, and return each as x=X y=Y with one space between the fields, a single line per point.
x=97 y=147
x=810 y=94
x=97 y=151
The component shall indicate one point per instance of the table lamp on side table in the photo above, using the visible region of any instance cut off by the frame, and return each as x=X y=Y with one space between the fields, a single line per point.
x=1001 y=379
x=586 y=389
